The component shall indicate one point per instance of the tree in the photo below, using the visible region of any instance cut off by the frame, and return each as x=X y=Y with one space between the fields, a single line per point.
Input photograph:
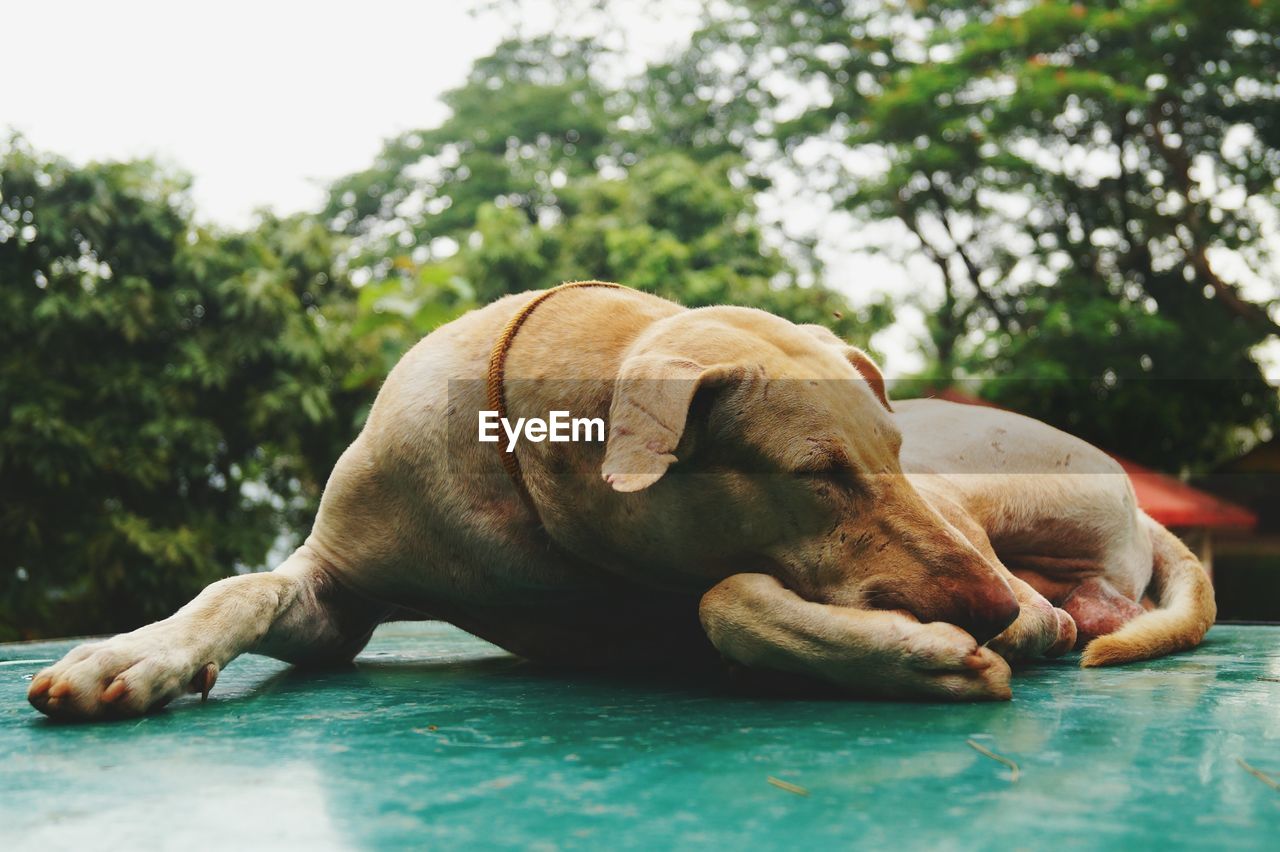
x=169 y=402
x=543 y=173
x=1093 y=184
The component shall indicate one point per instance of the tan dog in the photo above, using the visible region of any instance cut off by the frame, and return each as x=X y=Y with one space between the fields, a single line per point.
x=755 y=488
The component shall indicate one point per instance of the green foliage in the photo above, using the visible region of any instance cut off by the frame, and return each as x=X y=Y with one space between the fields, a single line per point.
x=169 y=401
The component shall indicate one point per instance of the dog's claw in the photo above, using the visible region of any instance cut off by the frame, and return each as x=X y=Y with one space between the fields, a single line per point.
x=40 y=686
x=114 y=692
x=204 y=680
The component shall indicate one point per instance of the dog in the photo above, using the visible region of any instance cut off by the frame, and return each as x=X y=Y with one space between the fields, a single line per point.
x=757 y=499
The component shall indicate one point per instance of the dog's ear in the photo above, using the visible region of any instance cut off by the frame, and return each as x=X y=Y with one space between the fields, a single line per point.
x=860 y=360
x=647 y=417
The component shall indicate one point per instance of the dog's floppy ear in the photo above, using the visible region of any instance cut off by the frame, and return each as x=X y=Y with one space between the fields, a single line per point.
x=860 y=360
x=651 y=400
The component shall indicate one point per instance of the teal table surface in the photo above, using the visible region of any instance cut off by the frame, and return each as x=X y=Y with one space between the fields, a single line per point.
x=438 y=740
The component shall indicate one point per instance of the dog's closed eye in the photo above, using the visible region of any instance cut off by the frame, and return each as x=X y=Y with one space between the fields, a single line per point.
x=840 y=476
x=827 y=461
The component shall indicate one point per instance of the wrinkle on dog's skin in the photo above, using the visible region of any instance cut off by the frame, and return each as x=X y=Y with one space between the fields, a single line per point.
x=757 y=494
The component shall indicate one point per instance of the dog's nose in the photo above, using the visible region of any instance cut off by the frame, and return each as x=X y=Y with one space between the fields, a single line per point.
x=984 y=612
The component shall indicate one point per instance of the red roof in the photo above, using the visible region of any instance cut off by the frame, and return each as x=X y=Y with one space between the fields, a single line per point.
x=1174 y=503
x=1170 y=501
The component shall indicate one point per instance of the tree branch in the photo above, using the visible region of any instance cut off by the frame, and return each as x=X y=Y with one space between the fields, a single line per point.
x=1139 y=253
x=1197 y=252
x=970 y=267
x=947 y=315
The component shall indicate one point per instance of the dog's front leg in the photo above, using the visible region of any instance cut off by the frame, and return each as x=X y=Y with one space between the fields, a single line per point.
x=294 y=613
x=756 y=621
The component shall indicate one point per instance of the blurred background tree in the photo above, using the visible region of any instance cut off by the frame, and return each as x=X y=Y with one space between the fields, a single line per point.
x=545 y=173
x=1092 y=189
x=1095 y=184
x=168 y=392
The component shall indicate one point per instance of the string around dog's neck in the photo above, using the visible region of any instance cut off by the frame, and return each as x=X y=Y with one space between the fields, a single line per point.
x=496 y=391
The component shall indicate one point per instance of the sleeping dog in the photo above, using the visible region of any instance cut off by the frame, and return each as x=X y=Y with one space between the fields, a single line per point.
x=756 y=497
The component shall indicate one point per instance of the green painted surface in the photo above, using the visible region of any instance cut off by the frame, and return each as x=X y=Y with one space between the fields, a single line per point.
x=437 y=740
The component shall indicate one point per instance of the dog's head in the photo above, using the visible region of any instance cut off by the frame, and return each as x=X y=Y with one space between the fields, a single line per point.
x=753 y=444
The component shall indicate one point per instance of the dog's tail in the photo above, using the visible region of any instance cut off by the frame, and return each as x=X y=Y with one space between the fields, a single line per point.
x=1184 y=592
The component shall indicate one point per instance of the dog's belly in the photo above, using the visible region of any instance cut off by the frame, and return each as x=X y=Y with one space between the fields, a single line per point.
x=461 y=546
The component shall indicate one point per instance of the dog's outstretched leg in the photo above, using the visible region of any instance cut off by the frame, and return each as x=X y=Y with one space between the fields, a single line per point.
x=756 y=621
x=295 y=613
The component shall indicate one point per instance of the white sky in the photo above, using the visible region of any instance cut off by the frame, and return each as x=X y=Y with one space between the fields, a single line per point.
x=262 y=102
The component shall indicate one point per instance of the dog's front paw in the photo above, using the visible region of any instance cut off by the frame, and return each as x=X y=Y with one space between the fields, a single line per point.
x=127 y=675
x=942 y=661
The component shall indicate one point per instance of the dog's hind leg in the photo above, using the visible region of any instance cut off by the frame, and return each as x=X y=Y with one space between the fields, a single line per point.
x=1098 y=609
x=295 y=613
